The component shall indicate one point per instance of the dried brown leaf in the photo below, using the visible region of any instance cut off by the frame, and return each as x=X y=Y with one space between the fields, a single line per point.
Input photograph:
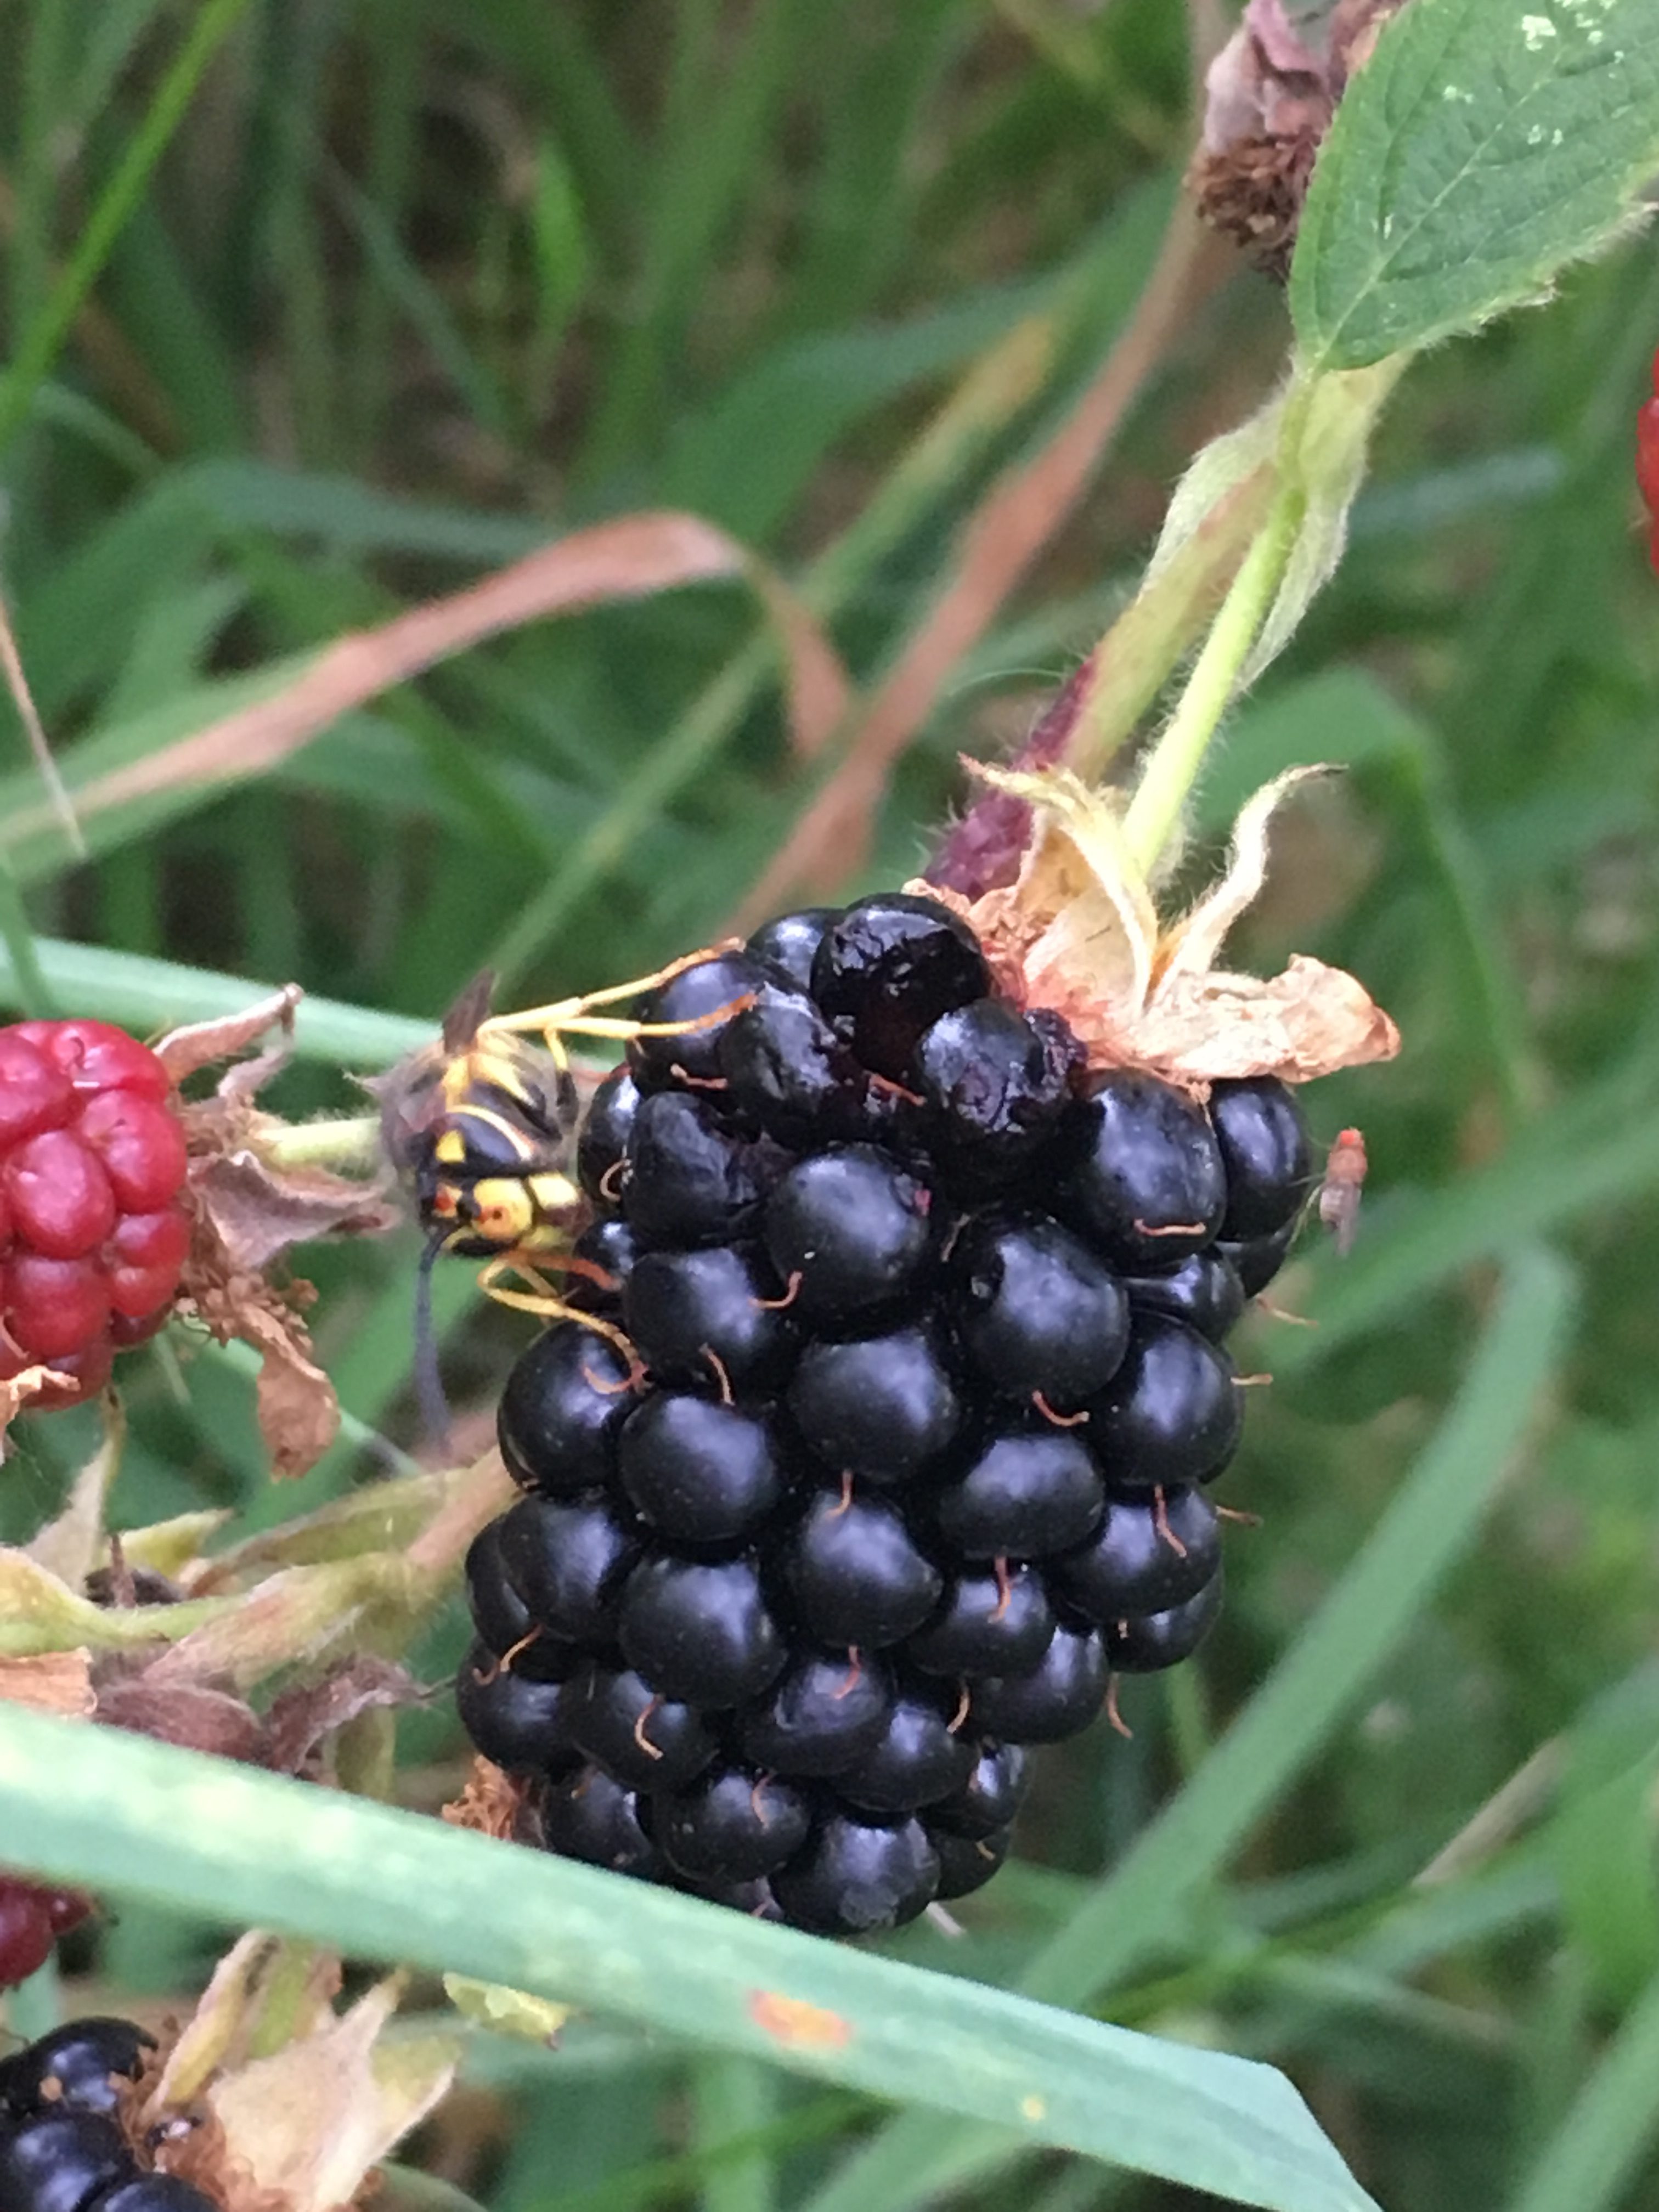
x=257 y=1211
x=629 y=558
x=185 y=1051
x=50 y=1682
x=300 y=1718
x=195 y=1716
x=19 y=1392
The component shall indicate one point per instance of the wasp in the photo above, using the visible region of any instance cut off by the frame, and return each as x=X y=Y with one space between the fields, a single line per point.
x=483 y=1124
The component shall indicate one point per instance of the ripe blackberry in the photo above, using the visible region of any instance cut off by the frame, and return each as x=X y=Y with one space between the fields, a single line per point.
x=855 y=1575
x=61 y=2161
x=154 y=2192
x=1040 y=1314
x=1257 y=1261
x=77 y=2067
x=927 y=1372
x=94 y=1233
x=1172 y=1413
x=736 y=1822
x=889 y=966
x=1265 y=1151
x=854 y=1231
x=881 y=1407
x=710 y=1319
x=856 y=1876
x=703 y=1475
x=1149 y=1186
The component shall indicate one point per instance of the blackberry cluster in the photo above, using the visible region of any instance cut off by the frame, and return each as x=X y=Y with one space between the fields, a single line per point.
x=927 y=1321
x=62 y=2146
x=93 y=1228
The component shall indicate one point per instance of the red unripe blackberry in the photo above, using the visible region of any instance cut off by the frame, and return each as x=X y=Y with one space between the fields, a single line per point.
x=564 y=1404
x=1265 y=1151
x=736 y=1822
x=823 y=1715
x=602 y=1142
x=1149 y=1186
x=586 y=1815
x=644 y=1741
x=27 y=1933
x=792 y=940
x=990 y=1797
x=989 y=1624
x=700 y=1632
x=966 y=1862
x=889 y=966
x=1147 y=1642
x=1172 y=1413
x=710 y=1319
x=567 y=1559
x=78 y=2067
x=725 y=980
x=60 y=2161
x=1061 y=1695
x=1147 y=1554
x=922 y=1755
x=688 y=1180
x=703 y=1475
x=1024 y=1496
x=881 y=1407
x=516 y=1720
x=856 y=1877
x=92 y=1230
x=856 y=1233
x=1039 y=1313
x=855 y=1575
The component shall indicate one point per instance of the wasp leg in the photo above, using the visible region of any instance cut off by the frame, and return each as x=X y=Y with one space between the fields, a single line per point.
x=541 y=1297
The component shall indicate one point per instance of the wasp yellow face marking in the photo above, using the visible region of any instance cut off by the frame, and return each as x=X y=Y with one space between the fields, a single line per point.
x=504 y=1211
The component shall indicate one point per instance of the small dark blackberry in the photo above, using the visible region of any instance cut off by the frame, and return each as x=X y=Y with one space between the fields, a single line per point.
x=1150 y=1553
x=709 y=1320
x=1025 y=1495
x=854 y=1232
x=700 y=1633
x=1149 y=1187
x=857 y=1876
x=791 y=942
x=989 y=1799
x=1147 y=1642
x=1259 y=1261
x=966 y=1862
x=605 y=1128
x=785 y=1064
x=1172 y=1413
x=567 y=1559
x=687 y=1179
x=586 y=1815
x=646 y=1741
x=1204 y=1291
x=1265 y=1151
x=503 y=1620
x=824 y=1714
x=855 y=1575
x=989 y=1624
x=718 y=986
x=992 y=1086
x=735 y=1821
x=922 y=1755
x=889 y=966
x=77 y=2067
x=1061 y=1695
x=564 y=1403
x=881 y=1407
x=153 y=2192
x=515 y=1720
x=1039 y=1313
x=703 y=1475
x=60 y=2161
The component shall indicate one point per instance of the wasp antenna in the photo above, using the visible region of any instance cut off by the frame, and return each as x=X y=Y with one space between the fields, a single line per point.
x=462 y=1020
x=428 y=1382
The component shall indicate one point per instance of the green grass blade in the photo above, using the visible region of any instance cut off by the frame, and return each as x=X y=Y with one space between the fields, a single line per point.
x=1594 y=2155
x=1431 y=1523
x=136 y=1818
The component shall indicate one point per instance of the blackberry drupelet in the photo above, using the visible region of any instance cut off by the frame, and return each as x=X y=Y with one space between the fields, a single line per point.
x=62 y=2148
x=927 y=1321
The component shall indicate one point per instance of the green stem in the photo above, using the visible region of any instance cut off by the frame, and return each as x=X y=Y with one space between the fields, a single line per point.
x=1155 y=810
x=352 y=1141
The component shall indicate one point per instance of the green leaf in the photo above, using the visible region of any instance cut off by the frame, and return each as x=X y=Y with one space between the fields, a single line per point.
x=1485 y=145
x=1590 y=2162
x=135 y=1818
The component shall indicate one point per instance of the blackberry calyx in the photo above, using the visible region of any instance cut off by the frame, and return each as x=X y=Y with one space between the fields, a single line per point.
x=736 y=1823
x=700 y=1632
x=1146 y=1557
x=1265 y=1150
x=891 y=966
x=856 y=1877
x=854 y=1574
x=1058 y=1699
x=1024 y=1496
x=824 y=1714
x=1039 y=1313
x=853 y=1230
x=1149 y=1188
x=703 y=1474
x=881 y=1407
x=1171 y=1415
x=564 y=1403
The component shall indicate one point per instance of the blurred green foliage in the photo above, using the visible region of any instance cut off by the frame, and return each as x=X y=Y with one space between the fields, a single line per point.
x=409 y=290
